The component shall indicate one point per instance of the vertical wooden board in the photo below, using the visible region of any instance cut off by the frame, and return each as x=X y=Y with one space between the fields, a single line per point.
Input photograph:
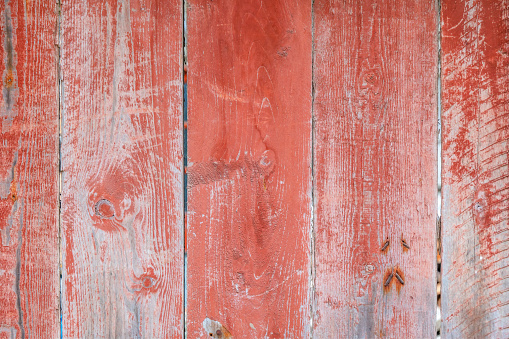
x=475 y=168
x=375 y=75
x=122 y=206
x=29 y=277
x=249 y=172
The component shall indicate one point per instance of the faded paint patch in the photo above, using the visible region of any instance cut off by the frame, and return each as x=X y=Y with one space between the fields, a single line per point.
x=214 y=329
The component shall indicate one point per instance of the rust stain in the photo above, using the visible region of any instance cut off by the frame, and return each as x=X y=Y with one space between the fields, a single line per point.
x=13 y=194
x=9 y=79
x=392 y=276
x=388 y=280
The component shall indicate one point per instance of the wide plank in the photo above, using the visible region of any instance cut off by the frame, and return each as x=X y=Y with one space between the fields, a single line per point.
x=475 y=168
x=122 y=188
x=29 y=274
x=249 y=170
x=375 y=110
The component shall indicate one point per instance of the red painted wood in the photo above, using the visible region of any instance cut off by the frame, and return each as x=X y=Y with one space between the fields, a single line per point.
x=475 y=82
x=375 y=75
x=122 y=206
x=29 y=278
x=249 y=174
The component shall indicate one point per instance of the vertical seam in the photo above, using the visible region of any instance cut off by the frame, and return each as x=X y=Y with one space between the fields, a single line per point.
x=312 y=230
x=60 y=160
x=184 y=162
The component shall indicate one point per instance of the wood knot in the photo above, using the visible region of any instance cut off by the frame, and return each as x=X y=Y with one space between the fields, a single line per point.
x=369 y=268
x=148 y=282
x=267 y=161
x=104 y=209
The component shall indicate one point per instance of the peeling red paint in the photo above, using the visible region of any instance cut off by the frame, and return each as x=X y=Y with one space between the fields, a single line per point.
x=375 y=73
x=249 y=174
x=475 y=46
x=29 y=277
x=122 y=193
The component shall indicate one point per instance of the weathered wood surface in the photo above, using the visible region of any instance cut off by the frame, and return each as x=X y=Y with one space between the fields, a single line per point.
x=122 y=212
x=375 y=76
x=29 y=278
x=249 y=172
x=475 y=55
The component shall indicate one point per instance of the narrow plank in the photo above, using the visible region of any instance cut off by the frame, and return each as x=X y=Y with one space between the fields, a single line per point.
x=249 y=172
x=122 y=205
x=29 y=277
x=475 y=174
x=375 y=74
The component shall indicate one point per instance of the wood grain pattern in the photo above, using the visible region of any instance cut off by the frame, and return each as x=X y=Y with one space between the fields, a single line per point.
x=122 y=206
x=475 y=81
x=375 y=168
x=29 y=278
x=249 y=174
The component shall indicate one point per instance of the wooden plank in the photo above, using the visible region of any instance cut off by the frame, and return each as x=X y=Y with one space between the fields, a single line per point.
x=29 y=277
x=249 y=174
x=475 y=82
x=122 y=200
x=375 y=75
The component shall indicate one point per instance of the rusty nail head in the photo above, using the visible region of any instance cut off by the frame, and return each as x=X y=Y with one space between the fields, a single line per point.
x=386 y=244
x=404 y=244
x=399 y=278
x=388 y=279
